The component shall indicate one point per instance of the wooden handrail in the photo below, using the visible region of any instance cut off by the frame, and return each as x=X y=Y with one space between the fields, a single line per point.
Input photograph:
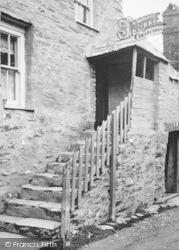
x=89 y=161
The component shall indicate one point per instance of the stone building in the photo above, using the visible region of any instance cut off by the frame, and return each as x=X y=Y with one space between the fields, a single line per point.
x=171 y=34
x=56 y=99
x=63 y=70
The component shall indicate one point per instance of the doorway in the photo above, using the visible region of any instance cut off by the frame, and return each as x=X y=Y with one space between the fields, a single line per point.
x=172 y=163
x=113 y=83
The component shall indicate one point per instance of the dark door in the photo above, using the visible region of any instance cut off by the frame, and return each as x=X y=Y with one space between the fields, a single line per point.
x=101 y=94
x=172 y=164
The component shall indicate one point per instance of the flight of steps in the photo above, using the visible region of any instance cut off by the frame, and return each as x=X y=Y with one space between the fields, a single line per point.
x=37 y=210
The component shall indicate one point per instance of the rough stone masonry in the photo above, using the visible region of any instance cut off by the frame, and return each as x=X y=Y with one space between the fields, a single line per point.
x=60 y=86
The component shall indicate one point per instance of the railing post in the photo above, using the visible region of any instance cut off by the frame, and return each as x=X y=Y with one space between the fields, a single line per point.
x=65 y=212
x=113 y=168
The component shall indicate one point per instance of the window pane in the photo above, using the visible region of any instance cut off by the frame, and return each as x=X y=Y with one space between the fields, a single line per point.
x=11 y=85
x=13 y=53
x=84 y=15
x=4 y=82
x=150 y=70
x=4 y=49
x=140 y=64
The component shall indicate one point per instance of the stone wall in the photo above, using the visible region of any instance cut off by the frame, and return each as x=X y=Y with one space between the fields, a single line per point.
x=60 y=85
x=167 y=96
x=171 y=34
x=140 y=177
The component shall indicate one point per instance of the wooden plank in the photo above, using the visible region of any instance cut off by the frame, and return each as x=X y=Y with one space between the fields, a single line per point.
x=98 y=146
x=117 y=121
x=86 y=164
x=108 y=138
x=144 y=67
x=121 y=121
x=125 y=119
x=93 y=137
x=142 y=81
x=134 y=66
x=144 y=84
x=65 y=212
x=73 y=195
x=80 y=176
x=142 y=93
x=129 y=110
x=113 y=170
x=103 y=146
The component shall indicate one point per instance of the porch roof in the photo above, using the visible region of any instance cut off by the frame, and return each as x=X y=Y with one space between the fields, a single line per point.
x=112 y=47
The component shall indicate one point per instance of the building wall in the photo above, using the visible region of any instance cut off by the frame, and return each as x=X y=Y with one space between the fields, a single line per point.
x=60 y=85
x=167 y=110
x=171 y=34
x=140 y=176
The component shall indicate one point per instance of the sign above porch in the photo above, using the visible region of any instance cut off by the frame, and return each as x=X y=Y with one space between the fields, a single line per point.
x=140 y=27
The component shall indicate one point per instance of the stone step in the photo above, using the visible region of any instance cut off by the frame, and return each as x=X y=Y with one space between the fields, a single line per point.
x=37 y=193
x=50 y=180
x=55 y=170
x=47 y=180
x=6 y=235
x=37 y=228
x=33 y=209
x=64 y=157
x=55 y=167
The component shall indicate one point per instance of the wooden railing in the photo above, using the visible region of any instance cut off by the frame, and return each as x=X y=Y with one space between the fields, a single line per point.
x=98 y=151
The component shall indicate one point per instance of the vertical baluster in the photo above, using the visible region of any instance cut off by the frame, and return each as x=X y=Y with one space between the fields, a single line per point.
x=103 y=146
x=73 y=195
x=86 y=164
x=108 y=139
x=92 y=160
x=113 y=169
x=125 y=119
x=80 y=175
x=65 y=212
x=129 y=110
x=121 y=121
x=117 y=126
x=98 y=151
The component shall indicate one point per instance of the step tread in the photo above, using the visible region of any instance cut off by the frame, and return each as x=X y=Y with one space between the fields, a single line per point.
x=30 y=222
x=6 y=235
x=40 y=188
x=54 y=207
x=48 y=175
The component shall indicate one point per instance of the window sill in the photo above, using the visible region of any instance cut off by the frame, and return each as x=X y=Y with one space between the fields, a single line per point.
x=85 y=25
x=18 y=108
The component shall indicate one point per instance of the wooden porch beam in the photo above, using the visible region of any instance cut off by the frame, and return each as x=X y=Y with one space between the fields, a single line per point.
x=144 y=67
x=134 y=66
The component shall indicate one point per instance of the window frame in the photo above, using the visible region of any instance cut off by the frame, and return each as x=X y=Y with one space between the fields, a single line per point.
x=142 y=69
x=88 y=7
x=19 y=102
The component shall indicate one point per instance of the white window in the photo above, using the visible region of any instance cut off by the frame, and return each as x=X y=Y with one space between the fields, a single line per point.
x=84 y=12
x=12 y=46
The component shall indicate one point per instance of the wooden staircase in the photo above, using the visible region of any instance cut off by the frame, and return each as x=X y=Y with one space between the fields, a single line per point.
x=43 y=207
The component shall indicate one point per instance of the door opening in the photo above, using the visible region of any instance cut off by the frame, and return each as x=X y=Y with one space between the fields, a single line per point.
x=172 y=164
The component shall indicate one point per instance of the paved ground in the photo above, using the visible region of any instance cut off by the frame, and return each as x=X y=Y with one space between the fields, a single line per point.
x=159 y=232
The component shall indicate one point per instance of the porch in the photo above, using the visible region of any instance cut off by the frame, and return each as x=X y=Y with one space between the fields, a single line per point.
x=131 y=68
